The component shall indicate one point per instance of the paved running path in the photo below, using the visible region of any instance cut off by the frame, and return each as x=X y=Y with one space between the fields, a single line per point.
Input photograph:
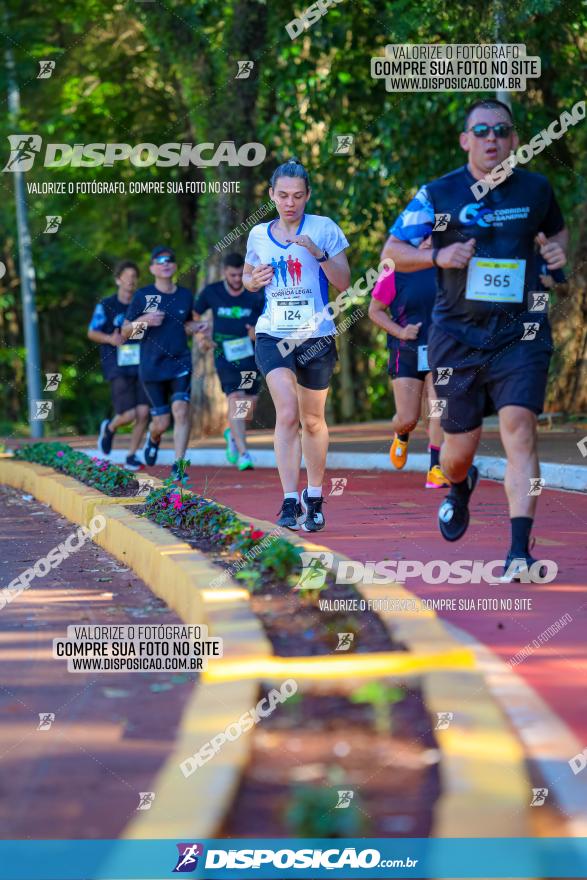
x=82 y=775
x=390 y=515
x=555 y=444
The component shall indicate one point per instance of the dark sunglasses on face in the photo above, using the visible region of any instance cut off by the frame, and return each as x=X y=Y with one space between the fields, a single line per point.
x=501 y=130
x=166 y=258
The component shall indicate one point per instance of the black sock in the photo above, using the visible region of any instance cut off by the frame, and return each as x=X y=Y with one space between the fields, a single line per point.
x=434 y=456
x=403 y=437
x=462 y=488
x=521 y=528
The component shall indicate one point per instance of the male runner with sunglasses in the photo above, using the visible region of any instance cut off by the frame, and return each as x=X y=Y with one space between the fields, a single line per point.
x=160 y=315
x=483 y=327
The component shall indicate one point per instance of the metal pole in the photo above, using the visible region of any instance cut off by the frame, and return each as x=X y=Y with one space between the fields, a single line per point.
x=26 y=267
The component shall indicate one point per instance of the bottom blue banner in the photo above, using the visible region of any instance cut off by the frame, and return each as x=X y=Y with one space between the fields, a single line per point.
x=287 y=858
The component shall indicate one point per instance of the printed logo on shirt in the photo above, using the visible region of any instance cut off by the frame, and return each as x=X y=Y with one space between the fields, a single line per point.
x=477 y=214
x=287 y=272
x=233 y=312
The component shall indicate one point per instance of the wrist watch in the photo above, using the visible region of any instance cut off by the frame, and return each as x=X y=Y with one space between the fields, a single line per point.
x=324 y=257
x=434 y=256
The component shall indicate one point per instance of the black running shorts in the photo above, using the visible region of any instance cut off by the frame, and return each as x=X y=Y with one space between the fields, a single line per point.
x=240 y=375
x=312 y=361
x=127 y=392
x=162 y=394
x=403 y=364
x=483 y=381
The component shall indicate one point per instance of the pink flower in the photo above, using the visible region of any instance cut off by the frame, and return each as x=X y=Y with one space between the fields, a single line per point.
x=60 y=454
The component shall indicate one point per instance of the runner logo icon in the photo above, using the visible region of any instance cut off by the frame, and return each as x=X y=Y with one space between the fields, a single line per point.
x=52 y=223
x=338 y=485
x=46 y=68
x=539 y=301
x=539 y=796
x=441 y=222
x=187 y=860
x=314 y=571
x=247 y=379
x=530 y=331
x=244 y=69
x=153 y=300
x=444 y=374
x=46 y=719
x=444 y=719
x=23 y=150
x=146 y=799
x=53 y=380
x=344 y=799
x=345 y=640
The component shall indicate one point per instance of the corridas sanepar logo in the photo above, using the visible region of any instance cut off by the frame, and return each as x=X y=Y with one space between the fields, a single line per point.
x=25 y=147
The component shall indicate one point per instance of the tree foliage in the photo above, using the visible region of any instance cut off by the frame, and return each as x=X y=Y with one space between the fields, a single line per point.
x=150 y=72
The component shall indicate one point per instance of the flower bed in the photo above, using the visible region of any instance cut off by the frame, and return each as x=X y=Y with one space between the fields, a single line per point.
x=373 y=743
x=94 y=472
x=270 y=567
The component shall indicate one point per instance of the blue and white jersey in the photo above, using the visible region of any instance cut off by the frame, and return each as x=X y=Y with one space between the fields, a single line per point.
x=299 y=288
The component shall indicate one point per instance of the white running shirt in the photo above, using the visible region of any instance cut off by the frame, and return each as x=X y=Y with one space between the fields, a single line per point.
x=299 y=288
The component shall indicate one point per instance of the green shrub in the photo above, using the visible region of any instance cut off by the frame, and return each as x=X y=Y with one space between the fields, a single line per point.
x=95 y=472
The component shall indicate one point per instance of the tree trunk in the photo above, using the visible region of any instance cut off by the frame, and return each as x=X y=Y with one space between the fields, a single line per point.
x=568 y=386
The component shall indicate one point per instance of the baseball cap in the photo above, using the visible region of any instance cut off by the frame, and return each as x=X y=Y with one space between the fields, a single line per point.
x=160 y=250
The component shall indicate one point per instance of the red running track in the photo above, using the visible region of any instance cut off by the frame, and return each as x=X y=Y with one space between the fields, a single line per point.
x=384 y=515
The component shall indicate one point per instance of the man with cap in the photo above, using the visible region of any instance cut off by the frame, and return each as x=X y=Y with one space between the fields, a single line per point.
x=160 y=315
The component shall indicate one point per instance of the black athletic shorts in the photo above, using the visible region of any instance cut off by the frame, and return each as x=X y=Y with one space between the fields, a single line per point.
x=162 y=394
x=403 y=363
x=483 y=381
x=127 y=392
x=312 y=361
x=240 y=375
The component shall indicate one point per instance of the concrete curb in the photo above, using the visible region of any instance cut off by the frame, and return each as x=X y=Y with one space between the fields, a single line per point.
x=555 y=476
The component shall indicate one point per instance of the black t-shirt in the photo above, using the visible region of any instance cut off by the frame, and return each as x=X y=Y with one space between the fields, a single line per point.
x=412 y=304
x=109 y=314
x=504 y=224
x=165 y=353
x=231 y=314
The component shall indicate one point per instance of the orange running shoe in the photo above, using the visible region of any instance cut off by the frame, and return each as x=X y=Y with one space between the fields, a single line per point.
x=436 y=479
x=398 y=452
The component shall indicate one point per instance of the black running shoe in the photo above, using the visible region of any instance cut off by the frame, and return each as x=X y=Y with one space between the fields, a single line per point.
x=175 y=474
x=517 y=569
x=133 y=463
x=105 y=438
x=453 y=515
x=289 y=514
x=150 y=450
x=312 y=507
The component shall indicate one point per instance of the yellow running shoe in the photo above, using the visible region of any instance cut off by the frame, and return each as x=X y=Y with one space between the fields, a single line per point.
x=398 y=452
x=436 y=479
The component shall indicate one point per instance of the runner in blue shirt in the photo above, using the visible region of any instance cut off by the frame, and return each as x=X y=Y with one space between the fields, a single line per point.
x=120 y=365
x=296 y=297
x=484 y=329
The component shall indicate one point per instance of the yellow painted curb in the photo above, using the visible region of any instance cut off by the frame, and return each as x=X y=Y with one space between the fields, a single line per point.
x=392 y=663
